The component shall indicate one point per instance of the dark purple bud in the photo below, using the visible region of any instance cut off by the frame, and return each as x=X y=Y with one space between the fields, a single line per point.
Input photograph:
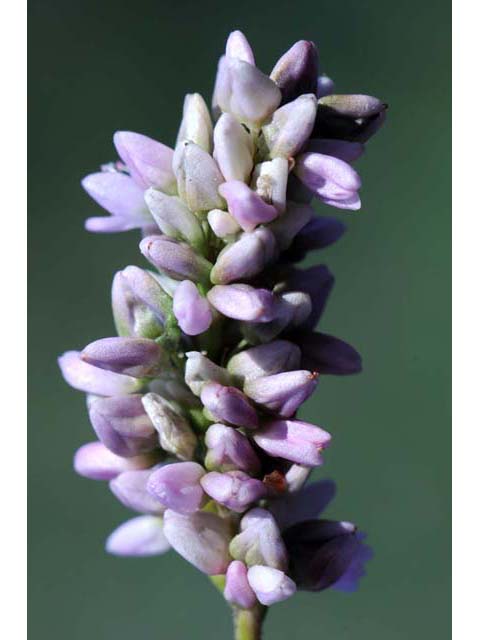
x=130 y=487
x=294 y=440
x=352 y=106
x=282 y=393
x=316 y=234
x=236 y=490
x=176 y=259
x=328 y=355
x=237 y=590
x=228 y=449
x=342 y=149
x=348 y=117
x=321 y=552
x=291 y=223
x=137 y=357
x=122 y=424
x=318 y=282
x=325 y=86
x=296 y=72
x=228 y=404
x=305 y=504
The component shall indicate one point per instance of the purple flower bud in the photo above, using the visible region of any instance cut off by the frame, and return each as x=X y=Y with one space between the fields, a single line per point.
x=121 y=197
x=333 y=180
x=296 y=71
x=148 y=161
x=177 y=486
x=131 y=316
x=325 y=86
x=270 y=585
x=201 y=538
x=269 y=180
x=137 y=357
x=328 y=355
x=174 y=431
x=316 y=234
x=174 y=218
x=198 y=178
x=290 y=127
x=318 y=282
x=176 y=259
x=283 y=392
x=122 y=425
x=228 y=404
x=321 y=552
x=353 y=106
x=200 y=370
x=293 y=440
x=222 y=223
x=342 y=149
x=305 y=504
x=228 y=449
x=265 y=360
x=356 y=570
x=196 y=125
x=236 y=490
x=349 y=117
x=294 y=308
x=246 y=206
x=244 y=258
x=85 y=377
x=244 y=91
x=237 y=589
x=238 y=47
x=145 y=288
x=291 y=223
x=243 y=302
x=233 y=149
x=191 y=309
x=259 y=541
x=130 y=487
x=141 y=536
x=93 y=460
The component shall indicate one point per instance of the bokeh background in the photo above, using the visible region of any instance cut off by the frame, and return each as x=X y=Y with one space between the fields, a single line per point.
x=101 y=65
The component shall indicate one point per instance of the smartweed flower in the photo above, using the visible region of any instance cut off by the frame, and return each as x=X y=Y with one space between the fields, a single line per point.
x=194 y=403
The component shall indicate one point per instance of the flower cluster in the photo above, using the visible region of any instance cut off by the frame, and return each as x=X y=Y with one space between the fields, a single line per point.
x=195 y=402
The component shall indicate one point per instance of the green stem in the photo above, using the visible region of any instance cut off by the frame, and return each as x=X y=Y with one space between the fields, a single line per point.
x=247 y=623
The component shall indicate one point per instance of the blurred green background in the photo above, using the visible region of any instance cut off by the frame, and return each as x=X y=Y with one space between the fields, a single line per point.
x=101 y=65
